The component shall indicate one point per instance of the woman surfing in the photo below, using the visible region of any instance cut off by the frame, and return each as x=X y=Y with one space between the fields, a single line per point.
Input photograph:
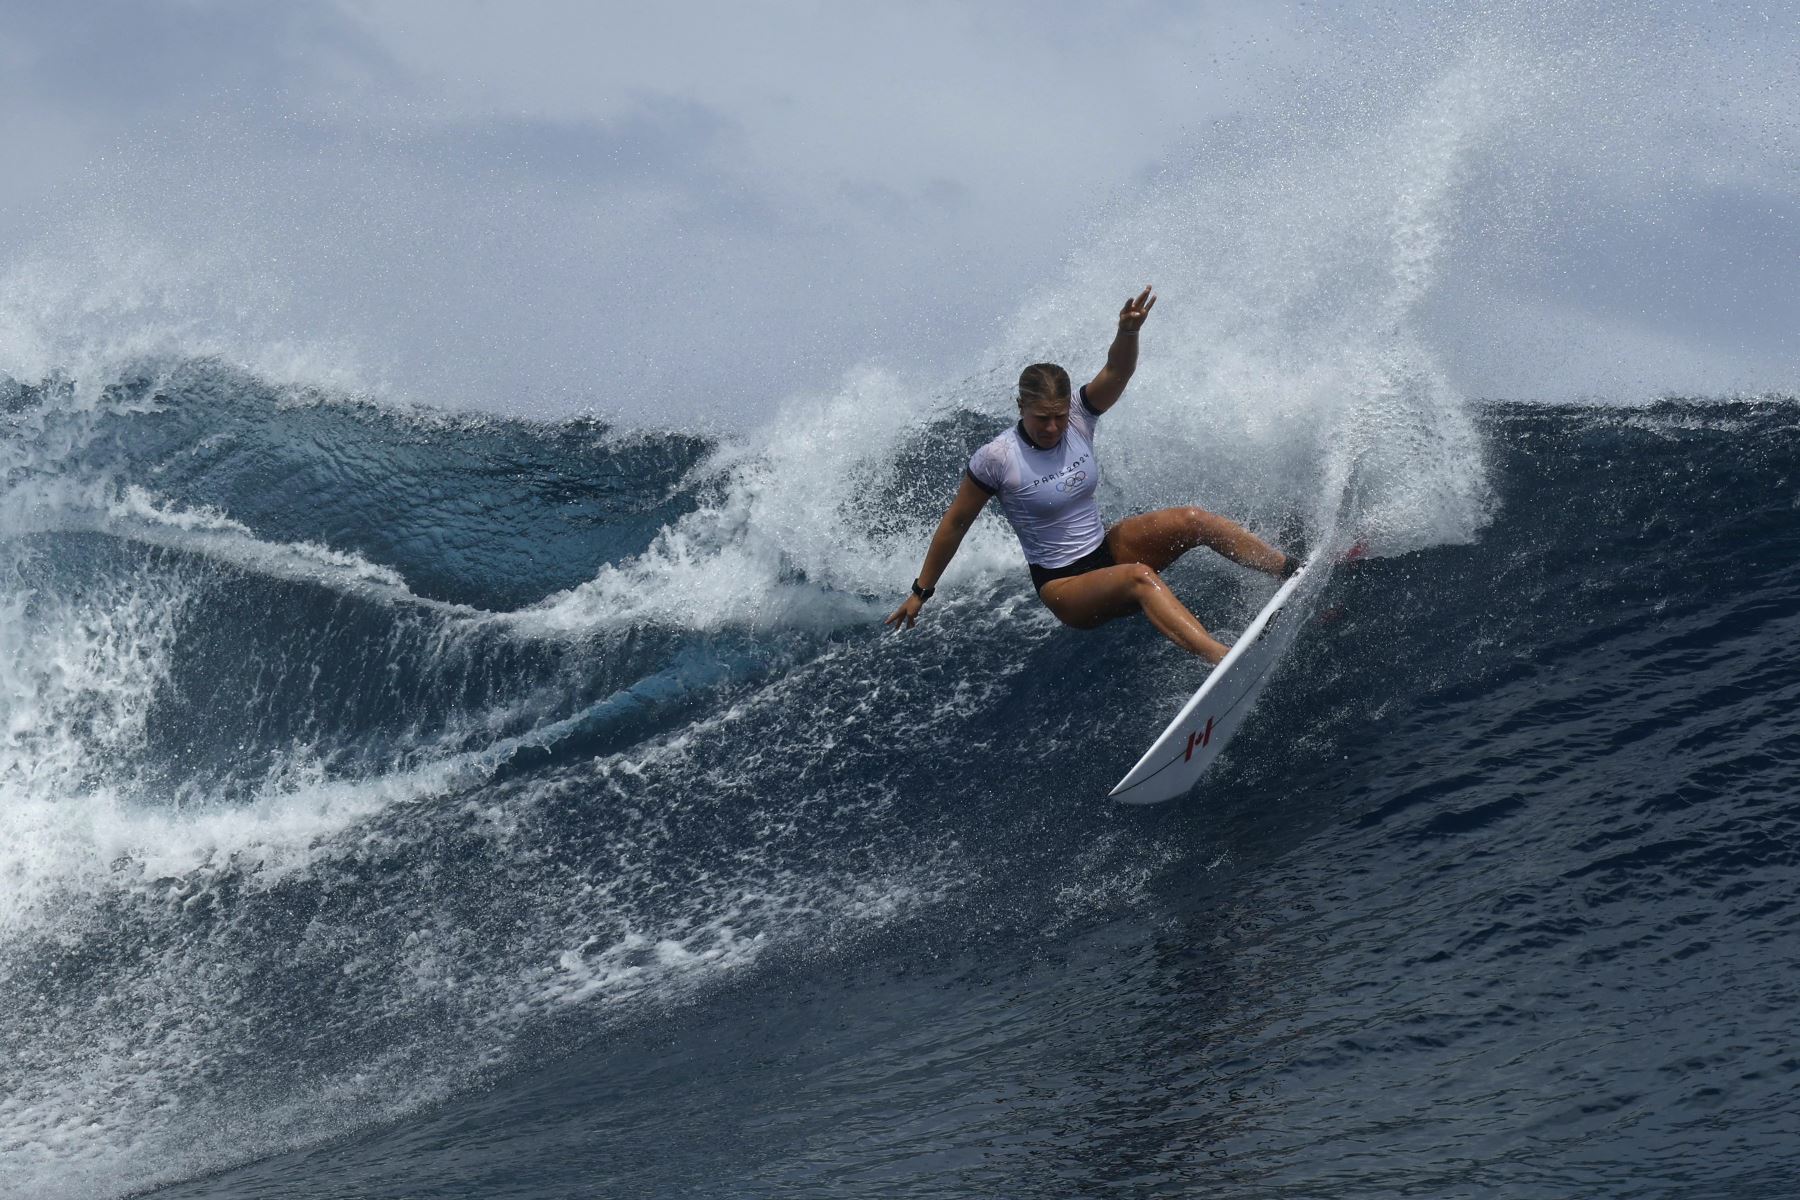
x=1046 y=474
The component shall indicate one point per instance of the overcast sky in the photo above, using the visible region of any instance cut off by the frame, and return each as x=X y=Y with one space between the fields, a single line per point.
x=658 y=212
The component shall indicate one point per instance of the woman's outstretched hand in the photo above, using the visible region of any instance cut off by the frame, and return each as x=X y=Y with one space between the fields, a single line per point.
x=1131 y=317
x=906 y=614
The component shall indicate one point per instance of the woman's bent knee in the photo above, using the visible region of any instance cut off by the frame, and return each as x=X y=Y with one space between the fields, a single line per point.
x=1198 y=522
x=1101 y=597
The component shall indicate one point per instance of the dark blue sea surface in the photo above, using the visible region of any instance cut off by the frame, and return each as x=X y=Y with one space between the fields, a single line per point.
x=402 y=804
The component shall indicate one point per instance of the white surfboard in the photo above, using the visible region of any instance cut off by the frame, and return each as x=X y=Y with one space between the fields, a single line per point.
x=1205 y=723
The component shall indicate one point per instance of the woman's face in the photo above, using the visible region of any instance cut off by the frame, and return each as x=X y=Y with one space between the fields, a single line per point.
x=1045 y=422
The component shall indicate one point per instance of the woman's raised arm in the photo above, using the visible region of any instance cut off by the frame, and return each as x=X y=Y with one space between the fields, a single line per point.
x=1121 y=356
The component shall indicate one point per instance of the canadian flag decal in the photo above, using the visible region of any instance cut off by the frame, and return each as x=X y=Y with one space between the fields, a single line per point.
x=1198 y=740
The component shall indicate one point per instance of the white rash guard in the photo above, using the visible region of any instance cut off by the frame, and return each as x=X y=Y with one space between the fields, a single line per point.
x=1048 y=495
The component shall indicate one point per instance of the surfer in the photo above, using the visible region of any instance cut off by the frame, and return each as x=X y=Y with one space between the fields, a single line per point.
x=1045 y=473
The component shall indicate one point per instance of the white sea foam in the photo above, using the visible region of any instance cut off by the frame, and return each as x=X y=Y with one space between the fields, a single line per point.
x=788 y=540
x=135 y=514
x=105 y=297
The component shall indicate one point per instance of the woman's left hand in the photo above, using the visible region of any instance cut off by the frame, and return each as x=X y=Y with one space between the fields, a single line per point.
x=1131 y=317
x=906 y=614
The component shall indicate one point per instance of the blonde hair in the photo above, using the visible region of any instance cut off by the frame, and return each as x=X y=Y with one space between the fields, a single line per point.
x=1043 y=381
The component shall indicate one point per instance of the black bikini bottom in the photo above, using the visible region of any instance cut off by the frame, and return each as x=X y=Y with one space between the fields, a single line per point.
x=1100 y=556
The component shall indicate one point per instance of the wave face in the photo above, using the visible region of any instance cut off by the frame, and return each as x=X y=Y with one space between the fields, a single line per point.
x=388 y=773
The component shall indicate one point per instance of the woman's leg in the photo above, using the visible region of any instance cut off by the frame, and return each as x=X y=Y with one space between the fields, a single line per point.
x=1097 y=597
x=1159 y=538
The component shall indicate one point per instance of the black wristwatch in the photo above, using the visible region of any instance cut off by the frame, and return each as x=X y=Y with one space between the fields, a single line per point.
x=923 y=594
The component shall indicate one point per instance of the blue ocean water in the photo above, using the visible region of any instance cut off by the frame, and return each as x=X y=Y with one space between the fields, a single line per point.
x=397 y=803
